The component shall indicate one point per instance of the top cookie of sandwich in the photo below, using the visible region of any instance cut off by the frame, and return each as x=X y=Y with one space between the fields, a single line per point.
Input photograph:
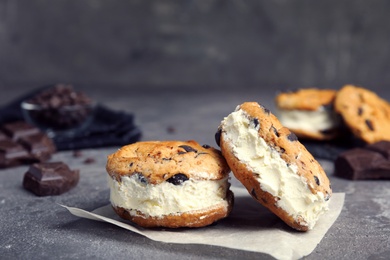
x=364 y=112
x=158 y=161
x=305 y=99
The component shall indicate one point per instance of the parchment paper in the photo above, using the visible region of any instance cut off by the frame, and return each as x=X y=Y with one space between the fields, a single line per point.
x=250 y=227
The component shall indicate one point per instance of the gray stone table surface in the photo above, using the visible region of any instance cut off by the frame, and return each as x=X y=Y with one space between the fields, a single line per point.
x=38 y=228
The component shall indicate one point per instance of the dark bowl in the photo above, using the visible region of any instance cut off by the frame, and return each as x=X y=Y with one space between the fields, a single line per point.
x=63 y=120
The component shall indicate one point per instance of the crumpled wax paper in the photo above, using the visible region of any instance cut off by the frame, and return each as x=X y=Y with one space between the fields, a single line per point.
x=249 y=227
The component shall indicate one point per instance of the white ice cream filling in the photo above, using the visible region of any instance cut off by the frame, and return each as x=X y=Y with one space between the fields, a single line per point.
x=157 y=200
x=274 y=175
x=318 y=120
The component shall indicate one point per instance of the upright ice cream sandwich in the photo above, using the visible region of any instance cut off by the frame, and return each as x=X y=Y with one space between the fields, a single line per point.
x=169 y=184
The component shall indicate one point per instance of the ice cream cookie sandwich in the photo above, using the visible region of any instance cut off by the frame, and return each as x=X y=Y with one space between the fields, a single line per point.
x=169 y=184
x=274 y=166
x=309 y=113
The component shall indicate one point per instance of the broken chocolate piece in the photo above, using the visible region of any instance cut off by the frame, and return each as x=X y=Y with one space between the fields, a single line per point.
x=12 y=154
x=40 y=146
x=253 y=193
x=22 y=143
x=18 y=129
x=171 y=130
x=77 y=153
x=362 y=164
x=382 y=147
x=89 y=160
x=51 y=178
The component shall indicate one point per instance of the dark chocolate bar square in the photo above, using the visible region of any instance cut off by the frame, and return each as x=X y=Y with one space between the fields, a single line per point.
x=362 y=164
x=12 y=153
x=50 y=178
x=18 y=129
x=382 y=147
x=22 y=143
x=40 y=146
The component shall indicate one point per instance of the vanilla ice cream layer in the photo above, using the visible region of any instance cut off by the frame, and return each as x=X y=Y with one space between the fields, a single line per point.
x=318 y=120
x=157 y=200
x=272 y=172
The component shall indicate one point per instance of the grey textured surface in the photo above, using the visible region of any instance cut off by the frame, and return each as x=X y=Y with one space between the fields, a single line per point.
x=38 y=228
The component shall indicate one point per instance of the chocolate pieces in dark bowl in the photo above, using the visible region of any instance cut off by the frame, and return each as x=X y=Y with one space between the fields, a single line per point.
x=59 y=110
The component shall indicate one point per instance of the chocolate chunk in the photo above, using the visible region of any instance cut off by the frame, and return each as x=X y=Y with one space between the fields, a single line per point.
x=275 y=131
x=89 y=160
x=362 y=164
x=317 y=180
x=253 y=193
x=266 y=110
x=178 y=179
x=18 y=129
x=360 y=111
x=218 y=137
x=188 y=148
x=255 y=122
x=142 y=178
x=12 y=154
x=51 y=178
x=77 y=153
x=382 y=147
x=206 y=146
x=171 y=130
x=369 y=124
x=28 y=145
x=292 y=137
x=40 y=146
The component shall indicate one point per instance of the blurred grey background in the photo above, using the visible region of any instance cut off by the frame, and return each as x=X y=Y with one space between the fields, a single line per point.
x=212 y=44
